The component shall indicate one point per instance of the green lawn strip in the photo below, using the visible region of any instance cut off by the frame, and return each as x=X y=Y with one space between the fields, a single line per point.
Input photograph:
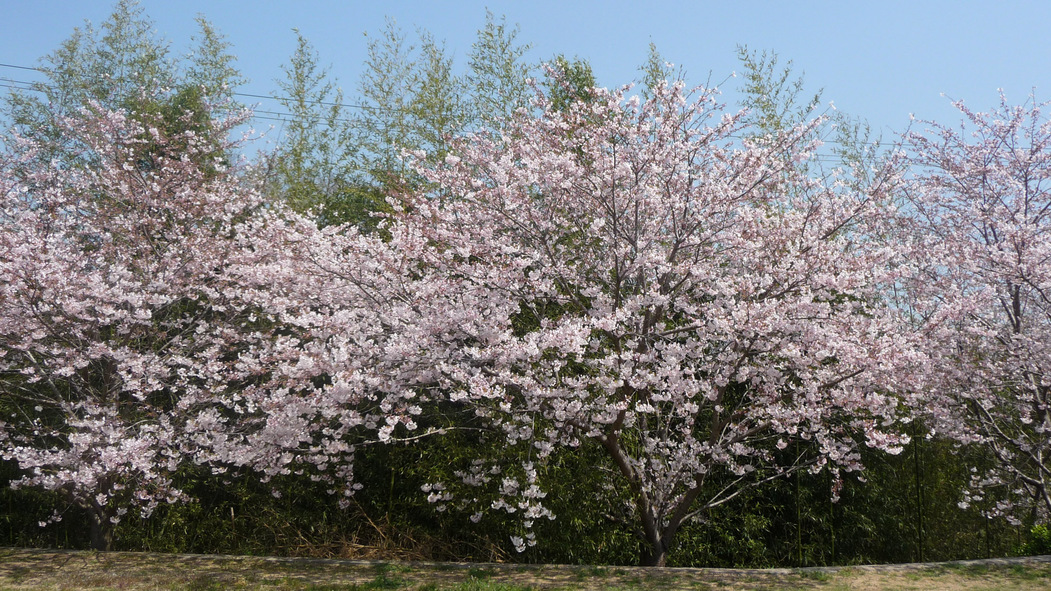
x=52 y=570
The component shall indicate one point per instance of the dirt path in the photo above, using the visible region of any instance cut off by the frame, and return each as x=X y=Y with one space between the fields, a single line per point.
x=63 y=569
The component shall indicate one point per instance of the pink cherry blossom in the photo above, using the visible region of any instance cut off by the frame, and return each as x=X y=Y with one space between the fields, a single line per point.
x=113 y=309
x=628 y=275
x=980 y=219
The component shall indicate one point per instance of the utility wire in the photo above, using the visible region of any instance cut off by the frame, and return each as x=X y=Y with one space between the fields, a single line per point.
x=23 y=67
x=256 y=113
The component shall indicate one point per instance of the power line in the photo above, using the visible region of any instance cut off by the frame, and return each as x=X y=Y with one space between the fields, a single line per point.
x=13 y=84
x=22 y=67
x=326 y=103
x=256 y=113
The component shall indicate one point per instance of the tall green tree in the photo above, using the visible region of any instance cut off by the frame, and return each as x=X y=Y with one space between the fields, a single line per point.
x=114 y=65
x=411 y=101
x=383 y=127
x=774 y=96
x=438 y=105
x=656 y=71
x=313 y=168
x=569 y=81
x=211 y=67
x=498 y=74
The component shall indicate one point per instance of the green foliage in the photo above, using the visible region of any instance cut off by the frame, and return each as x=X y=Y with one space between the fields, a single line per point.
x=294 y=516
x=1038 y=542
x=22 y=511
x=497 y=75
x=354 y=202
x=342 y=166
x=114 y=66
x=439 y=107
x=211 y=66
x=411 y=101
x=775 y=100
x=569 y=81
x=657 y=71
x=595 y=523
x=125 y=64
x=314 y=169
x=184 y=110
x=382 y=130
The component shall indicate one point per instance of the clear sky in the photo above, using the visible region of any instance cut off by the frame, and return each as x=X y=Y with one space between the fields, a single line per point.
x=877 y=59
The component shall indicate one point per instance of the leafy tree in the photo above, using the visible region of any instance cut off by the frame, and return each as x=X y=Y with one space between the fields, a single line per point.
x=314 y=169
x=773 y=98
x=497 y=78
x=626 y=349
x=210 y=68
x=383 y=130
x=439 y=104
x=113 y=67
x=210 y=64
x=97 y=271
x=656 y=72
x=411 y=101
x=569 y=82
x=123 y=64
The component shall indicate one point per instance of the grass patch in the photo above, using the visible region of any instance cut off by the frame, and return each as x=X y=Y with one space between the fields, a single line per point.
x=486 y=585
x=480 y=573
x=19 y=573
x=814 y=575
x=593 y=572
x=971 y=570
x=205 y=583
x=40 y=570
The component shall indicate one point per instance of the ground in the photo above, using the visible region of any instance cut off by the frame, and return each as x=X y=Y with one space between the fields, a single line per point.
x=53 y=570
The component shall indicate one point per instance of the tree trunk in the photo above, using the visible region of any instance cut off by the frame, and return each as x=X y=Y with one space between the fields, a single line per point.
x=101 y=531
x=655 y=555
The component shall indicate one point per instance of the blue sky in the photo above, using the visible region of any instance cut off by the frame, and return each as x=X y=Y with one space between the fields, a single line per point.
x=879 y=59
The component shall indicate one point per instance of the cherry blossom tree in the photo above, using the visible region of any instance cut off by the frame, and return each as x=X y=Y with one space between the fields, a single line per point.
x=981 y=216
x=114 y=317
x=617 y=273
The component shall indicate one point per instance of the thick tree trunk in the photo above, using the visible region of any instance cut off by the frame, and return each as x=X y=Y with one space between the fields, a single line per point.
x=101 y=532
x=655 y=555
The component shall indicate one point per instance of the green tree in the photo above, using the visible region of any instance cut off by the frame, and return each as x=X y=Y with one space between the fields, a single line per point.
x=438 y=104
x=497 y=75
x=115 y=66
x=411 y=101
x=774 y=97
x=383 y=128
x=211 y=67
x=313 y=168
